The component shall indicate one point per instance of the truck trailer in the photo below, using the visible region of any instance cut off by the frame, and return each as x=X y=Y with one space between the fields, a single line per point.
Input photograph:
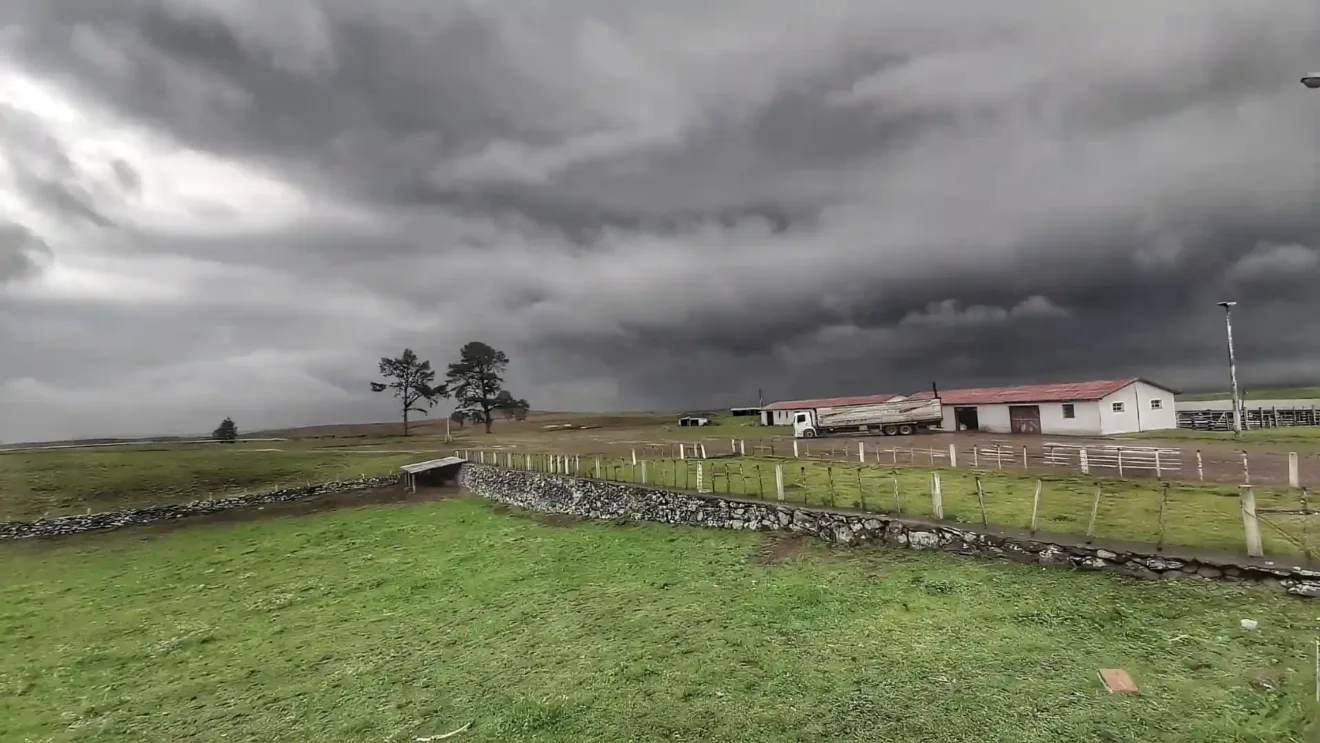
x=894 y=418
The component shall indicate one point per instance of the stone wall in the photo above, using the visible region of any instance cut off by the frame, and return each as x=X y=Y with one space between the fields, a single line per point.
x=613 y=501
x=118 y=519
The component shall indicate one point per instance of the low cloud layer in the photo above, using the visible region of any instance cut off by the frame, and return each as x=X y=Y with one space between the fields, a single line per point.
x=234 y=208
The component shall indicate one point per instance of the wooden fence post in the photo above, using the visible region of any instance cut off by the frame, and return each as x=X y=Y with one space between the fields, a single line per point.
x=795 y=451
x=1095 y=509
x=597 y=468
x=861 y=452
x=682 y=451
x=703 y=451
x=1083 y=462
x=980 y=500
x=1164 y=502
x=936 y=497
x=1250 y=525
x=1294 y=477
x=1157 y=463
x=634 y=457
x=643 y=471
x=1246 y=471
x=1024 y=458
x=953 y=455
x=1035 y=506
x=700 y=484
x=742 y=447
x=1120 y=462
x=1200 y=470
x=779 y=481
x=976 y=456
x=898 y=499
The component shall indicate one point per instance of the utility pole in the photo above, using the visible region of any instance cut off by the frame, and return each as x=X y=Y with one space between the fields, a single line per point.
x=1232 y=368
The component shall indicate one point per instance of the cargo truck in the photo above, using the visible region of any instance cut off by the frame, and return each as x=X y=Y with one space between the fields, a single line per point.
x=894 y=418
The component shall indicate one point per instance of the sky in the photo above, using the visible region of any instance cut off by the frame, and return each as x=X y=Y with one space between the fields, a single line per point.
x=216 y=208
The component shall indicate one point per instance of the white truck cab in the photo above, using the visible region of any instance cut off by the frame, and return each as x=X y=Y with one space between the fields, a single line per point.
x=804 y=424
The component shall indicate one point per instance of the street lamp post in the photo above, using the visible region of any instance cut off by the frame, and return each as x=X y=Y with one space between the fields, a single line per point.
x=1232 y=367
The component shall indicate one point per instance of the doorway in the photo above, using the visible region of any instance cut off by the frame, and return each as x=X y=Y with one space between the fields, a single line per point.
x=1024 y=418
x=966 y=419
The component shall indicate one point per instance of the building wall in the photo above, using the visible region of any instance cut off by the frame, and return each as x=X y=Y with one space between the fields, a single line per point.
x=1138 y=415
x=782 y=417
x=995 y=418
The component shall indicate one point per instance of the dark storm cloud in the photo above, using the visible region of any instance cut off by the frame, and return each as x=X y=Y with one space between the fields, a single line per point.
x=22 y=253
x=676 y=204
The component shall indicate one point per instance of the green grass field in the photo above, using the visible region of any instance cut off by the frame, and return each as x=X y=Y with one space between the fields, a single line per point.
x=72 y=481
x=1196 y=515
x=386 y=623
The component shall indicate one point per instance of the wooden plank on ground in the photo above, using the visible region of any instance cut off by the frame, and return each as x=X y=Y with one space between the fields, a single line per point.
x=1117 y=681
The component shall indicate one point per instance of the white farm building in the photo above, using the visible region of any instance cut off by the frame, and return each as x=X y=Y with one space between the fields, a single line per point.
x=1099 y=408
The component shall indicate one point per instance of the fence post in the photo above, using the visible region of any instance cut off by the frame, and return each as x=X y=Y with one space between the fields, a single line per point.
x=703 y=451
x=980 y=500
x=1083 y=462
x=634 y=456
x=779 y=481
x=733 y=446
x=1095 y=509
x=999 y=457
x=700 y=483
x=1200 y=470
x=861 y=452
x=1164 y=502
x=1157 y=463
x=742 y=447
x=976 y=456
x=1246 y=471
x=795 y=451
x=1024 y=458
x=643 y=471
x=1250 y=525
x=597 y=468
x=682 y=451
x=1035 y=506
x=577 y=465
x=1120 y=462
x=1294 y=477
x=898 y=500
x=936 y=497
x=953 y=456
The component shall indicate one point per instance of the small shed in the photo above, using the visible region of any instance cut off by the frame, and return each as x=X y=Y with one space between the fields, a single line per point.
x=693 y=420
x=431 y=473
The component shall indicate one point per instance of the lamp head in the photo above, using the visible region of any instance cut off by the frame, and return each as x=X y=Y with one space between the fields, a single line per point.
x=1311 y=80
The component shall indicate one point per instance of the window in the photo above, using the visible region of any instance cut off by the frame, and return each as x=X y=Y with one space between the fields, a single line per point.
x=1156 y=404
x=1118 y=407
x=801 y=417
x=1069 y=411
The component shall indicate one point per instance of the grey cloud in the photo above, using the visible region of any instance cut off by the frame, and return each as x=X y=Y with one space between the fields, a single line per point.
x=676 y=204
x=22 y=253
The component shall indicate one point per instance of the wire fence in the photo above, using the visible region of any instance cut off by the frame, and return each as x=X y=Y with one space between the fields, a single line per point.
x=1203 y=516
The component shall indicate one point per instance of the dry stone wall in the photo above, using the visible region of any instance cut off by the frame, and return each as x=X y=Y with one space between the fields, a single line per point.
x=133 y=517
x=598 y=499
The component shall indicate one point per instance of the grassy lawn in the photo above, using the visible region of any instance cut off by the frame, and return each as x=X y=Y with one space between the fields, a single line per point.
x=390 y=622
x=72 y=481
x=1197 y=515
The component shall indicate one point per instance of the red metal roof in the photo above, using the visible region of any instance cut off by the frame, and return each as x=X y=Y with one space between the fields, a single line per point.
x=829 y=402
x=1029 y=393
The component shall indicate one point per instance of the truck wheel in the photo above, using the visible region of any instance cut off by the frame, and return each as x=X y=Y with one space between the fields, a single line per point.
x=809 y=433
x=905 y=430
x=891 y=430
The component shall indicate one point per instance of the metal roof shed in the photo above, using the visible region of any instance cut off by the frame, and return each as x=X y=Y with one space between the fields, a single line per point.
x=432 y=472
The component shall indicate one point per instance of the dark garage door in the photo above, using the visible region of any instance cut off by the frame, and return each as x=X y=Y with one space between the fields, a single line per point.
x=1024 y=418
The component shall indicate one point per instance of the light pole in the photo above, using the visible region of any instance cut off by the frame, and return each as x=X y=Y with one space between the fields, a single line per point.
x=1311 y=80
x=1232 y=367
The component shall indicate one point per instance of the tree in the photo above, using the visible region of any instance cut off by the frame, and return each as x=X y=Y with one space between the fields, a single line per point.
x=477 y=382
x=227 y=432
x=459 y=417
x=511 y=407
x=412 y=381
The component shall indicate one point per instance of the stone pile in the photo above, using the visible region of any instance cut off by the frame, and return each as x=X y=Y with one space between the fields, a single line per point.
x=598 y=499
x=118 y=519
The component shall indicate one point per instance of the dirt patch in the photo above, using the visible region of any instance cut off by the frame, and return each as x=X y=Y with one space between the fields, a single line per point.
x=780 y=548
x=558 y=519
